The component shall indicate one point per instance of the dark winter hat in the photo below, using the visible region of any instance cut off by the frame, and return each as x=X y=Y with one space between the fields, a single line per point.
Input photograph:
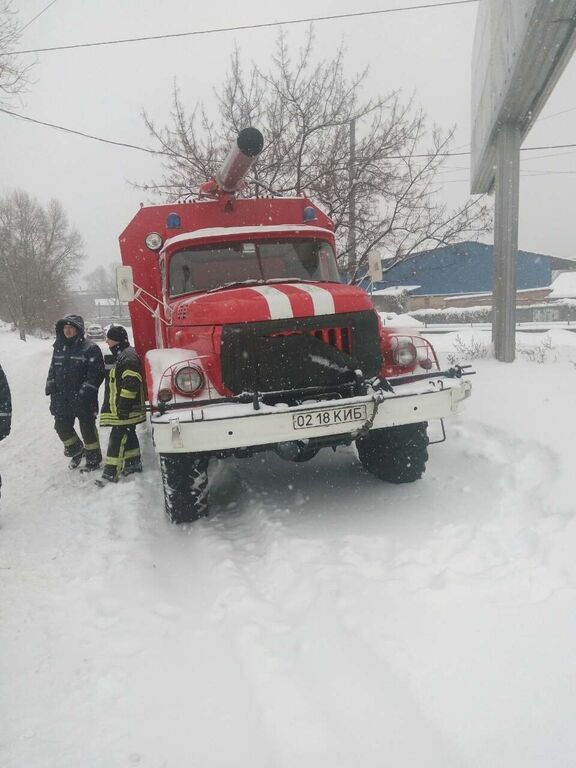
x=76 y=320
x=117 y=333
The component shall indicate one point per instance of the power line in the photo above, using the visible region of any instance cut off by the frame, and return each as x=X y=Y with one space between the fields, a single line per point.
x=555 y=114
x=452 y=168
x=546 y=157
x=239 y=28
x=461 y=154
x=35 y=17
x=175 y=154
x=87 y=135
x=527 y=174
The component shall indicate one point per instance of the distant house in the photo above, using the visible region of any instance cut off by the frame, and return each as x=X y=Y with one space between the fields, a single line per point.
x=392 y=299
x=564 y=286
x=461 y=275
x=98 y=308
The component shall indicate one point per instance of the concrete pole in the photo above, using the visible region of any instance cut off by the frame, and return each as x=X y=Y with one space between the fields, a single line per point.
x=507 y=190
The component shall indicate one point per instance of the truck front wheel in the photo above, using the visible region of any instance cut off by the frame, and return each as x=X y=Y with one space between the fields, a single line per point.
x=395 y=454
x=185 y=483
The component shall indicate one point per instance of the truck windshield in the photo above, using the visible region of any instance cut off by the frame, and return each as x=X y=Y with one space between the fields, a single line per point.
x=208 y=267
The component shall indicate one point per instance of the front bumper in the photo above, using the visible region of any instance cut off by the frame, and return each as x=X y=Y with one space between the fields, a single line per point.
x=230 y=426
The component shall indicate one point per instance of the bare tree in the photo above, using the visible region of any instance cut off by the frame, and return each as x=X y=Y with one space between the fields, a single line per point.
x=306 y=111
x=39 y=253
x=13 y=72
x=103 y=280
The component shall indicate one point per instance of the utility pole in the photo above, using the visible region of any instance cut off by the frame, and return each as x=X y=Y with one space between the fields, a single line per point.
x=506 y=242
x=352 y=201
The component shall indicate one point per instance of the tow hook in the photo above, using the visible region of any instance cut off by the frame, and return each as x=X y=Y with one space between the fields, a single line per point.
x=177 y=441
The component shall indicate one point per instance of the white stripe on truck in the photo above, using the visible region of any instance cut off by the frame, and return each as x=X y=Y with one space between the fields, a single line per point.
x=278 y=303
x=322 y=299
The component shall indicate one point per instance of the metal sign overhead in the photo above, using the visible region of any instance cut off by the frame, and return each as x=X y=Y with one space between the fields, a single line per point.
x=521 y=48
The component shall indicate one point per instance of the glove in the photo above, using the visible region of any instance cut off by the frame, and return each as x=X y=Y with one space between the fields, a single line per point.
x=50 y=387
x=88 y=399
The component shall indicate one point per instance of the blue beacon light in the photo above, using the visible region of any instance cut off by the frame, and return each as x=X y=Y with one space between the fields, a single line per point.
x=309 y=213
x=173 y=221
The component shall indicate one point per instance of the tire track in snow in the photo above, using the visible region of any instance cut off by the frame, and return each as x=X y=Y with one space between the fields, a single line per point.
x=303 y=588
x=509 y=548
x=313 y=672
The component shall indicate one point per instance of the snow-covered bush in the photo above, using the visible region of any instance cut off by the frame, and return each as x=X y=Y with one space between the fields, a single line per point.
x=539 y=353
x=480 y=314
x=469 y=348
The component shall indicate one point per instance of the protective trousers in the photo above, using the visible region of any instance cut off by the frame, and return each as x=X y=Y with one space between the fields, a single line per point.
x=123 y=451
x=64 y=426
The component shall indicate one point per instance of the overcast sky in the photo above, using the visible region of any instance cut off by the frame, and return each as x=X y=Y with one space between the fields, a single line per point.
x=103 y=90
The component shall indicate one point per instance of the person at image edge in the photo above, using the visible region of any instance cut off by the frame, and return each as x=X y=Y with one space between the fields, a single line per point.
x=5 y=410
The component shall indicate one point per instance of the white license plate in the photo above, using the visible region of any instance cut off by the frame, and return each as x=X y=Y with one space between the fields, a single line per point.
x=328 y=417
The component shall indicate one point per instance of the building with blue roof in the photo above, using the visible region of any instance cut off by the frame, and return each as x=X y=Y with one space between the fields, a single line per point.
x=467 y=268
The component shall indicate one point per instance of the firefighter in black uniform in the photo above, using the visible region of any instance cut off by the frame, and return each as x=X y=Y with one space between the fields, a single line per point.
x=5 y=409
x=75 y=375
x=123 y=406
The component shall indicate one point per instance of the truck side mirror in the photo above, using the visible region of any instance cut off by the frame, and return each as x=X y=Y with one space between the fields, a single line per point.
x=125 y=283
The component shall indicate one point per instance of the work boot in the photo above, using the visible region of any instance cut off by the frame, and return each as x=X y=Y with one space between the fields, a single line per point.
x=75 y=460
x=105 y=480
x=89 y=467
x=93 y=460
x=70 y=451
x=132 y=466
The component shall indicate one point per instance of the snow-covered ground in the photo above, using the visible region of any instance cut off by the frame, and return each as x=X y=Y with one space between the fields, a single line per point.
x=319 y=618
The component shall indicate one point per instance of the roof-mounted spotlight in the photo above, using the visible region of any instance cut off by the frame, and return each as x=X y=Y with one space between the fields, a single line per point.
x=154 y=241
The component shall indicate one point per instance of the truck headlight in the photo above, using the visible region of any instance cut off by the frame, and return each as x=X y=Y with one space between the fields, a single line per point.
x=188 y=380
x=405 y=353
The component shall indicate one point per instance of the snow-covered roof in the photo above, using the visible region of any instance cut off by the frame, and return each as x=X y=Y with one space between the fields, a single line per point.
x=399 y=321
x=564 y=287
x=394 y=290
x=487 y=293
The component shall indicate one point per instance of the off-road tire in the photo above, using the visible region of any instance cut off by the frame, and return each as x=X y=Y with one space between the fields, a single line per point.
x=306 y=455
x=185 y=483
x=395 y=454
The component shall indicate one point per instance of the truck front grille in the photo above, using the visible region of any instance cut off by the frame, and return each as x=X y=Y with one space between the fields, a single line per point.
x=340 y=338
x=301 y=352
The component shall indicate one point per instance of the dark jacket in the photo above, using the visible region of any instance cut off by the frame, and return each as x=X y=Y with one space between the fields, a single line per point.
x=124 y=395
x=5 y=406
x=76 y=372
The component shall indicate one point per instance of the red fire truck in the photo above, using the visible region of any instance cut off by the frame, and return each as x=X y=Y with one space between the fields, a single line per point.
x=251 y=341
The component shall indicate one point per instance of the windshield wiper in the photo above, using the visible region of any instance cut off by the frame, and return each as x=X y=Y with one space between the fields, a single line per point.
x=248 y=283
x=236 y=284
